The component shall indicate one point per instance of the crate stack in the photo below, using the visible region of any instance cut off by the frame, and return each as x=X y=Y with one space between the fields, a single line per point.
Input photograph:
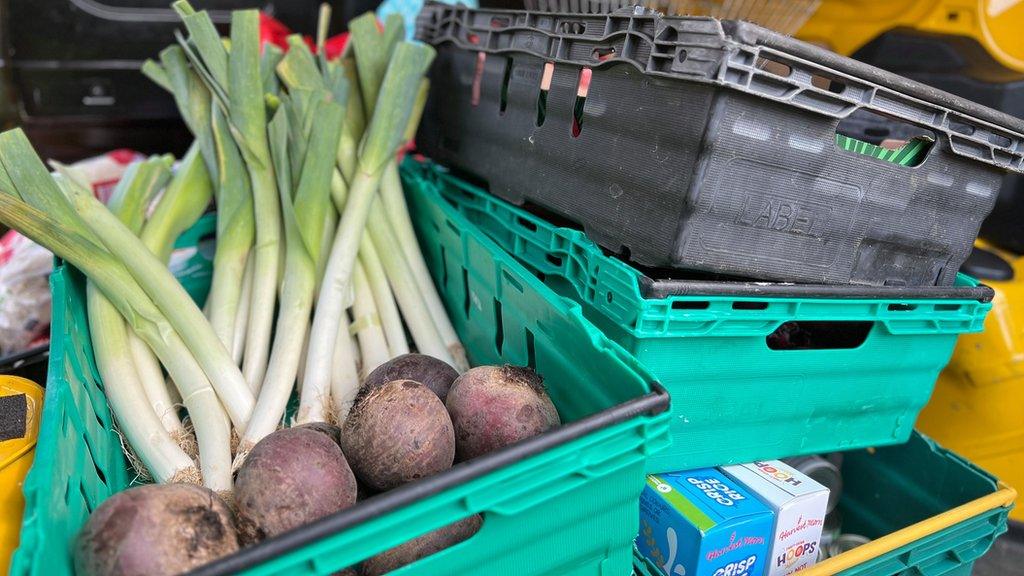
x=694 y=185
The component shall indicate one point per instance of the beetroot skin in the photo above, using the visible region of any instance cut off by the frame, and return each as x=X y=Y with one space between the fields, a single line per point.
x=398 y=433
x=332 y=431
x=154 y=530
x=494 y=406
x=290 y=478
x=429 y=543
x=427 y=370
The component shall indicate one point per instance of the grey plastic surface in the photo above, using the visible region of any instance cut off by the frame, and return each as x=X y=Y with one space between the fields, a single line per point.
x=579 y=6
x=693 y=154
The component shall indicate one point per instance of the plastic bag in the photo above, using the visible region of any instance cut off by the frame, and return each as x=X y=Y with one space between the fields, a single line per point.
x=25 y=266
x=24 y=292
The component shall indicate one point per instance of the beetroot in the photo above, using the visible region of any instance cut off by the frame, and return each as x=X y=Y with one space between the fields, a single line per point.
x=290 y=478
x=397 y=433
x=153 y=530
x=494 y=406
x=332 y=431
x=429 y=543
x=427 y=370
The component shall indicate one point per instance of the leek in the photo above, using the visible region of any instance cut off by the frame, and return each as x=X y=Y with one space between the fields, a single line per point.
x=397 y=95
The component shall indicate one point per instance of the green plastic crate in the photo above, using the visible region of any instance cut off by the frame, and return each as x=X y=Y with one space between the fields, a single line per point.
x=736 y=399
x=928 y=511
x=563 y=502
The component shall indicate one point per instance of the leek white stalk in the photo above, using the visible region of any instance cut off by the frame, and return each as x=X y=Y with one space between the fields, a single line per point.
x=184 y=201
x=393 y=200
x=160 y=453
x=345 y=375
x=111 y=277
x=303 y=222
x=390 y=318
x=151 y=378
x=170 y=297
x=366 y=323
x=241 y=323
x=134 y=390
x=407 y=293
x=129 y=201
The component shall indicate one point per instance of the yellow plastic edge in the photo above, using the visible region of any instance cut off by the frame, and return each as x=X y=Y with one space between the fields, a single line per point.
x=19 y=453
x=1003 y=497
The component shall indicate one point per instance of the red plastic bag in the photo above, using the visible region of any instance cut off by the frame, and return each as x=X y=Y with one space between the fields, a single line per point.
x=274 y=31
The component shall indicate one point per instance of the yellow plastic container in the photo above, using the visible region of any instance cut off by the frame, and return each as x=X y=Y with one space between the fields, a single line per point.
x=977 y=409
x=846 y=25
x=15 y=459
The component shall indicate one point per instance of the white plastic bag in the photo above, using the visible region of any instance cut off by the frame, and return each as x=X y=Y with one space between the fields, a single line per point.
x=24 y=292
x=25 y=266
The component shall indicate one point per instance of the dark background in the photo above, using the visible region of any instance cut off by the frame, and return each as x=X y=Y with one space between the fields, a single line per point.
x=69 y=69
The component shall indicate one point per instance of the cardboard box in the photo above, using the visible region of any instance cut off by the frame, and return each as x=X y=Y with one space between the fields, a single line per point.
x=702 y=523
x=799 y=505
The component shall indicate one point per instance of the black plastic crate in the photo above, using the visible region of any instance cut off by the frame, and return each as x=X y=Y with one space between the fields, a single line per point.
x=962 y=66
x=31 y=364
x=711 y=145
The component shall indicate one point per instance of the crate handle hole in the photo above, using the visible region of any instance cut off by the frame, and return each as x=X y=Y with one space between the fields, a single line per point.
x=961 y=127
x=500 y=22
x=691 y=304
x=85 y=498
x=744 y=305
x=582 y=87
x=902 y=307
x=444 y=267
x=610 y=297
x=531 y=352
x=825 y=83
x=542 y=97
x=877 y=132
x=572 y=27
x=506 y=78
x=465 y=291
x=499 y=328
x=947 y=307
x=884 y=138
x=531 y=226
x=774 y=67
x=819 y=335
x=603 y=53
x=681 y=56
x=554 y=260
x=512 y=280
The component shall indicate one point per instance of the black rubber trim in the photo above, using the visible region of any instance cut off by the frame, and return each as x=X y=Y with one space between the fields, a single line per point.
x=655 y=402
x=654 y=289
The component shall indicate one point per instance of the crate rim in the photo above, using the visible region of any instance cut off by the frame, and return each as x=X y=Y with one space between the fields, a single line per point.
x=738 y=32
x=1003 y=497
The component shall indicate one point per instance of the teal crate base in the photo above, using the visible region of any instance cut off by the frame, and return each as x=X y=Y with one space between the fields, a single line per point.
x=735 y=398
x=565 y=506
x=891 y=488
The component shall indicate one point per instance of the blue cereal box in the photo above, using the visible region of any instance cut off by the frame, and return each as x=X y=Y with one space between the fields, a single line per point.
x=703 y=523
